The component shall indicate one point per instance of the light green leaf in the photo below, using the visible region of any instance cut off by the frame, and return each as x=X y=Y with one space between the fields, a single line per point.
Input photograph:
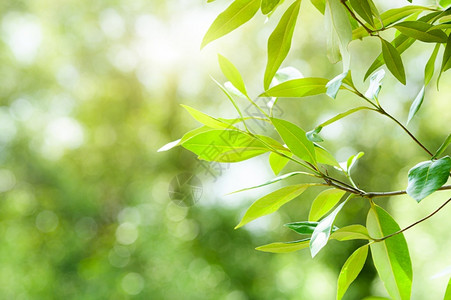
x=238 y=13
x=185 y=137
x=448 y=291
x=375 y=84
x=206 y=119
x=272 y=202
x=285 y=247
x=351 y=269
x=305 y=227
x=169 y=145
x=324 y=157
x=279 y=42
x=285 y=74
x=351 y=232
x=224 y=146
x=334 y=85
x=301 y=87
x=274 y=180
x=442 y=147
x=268 y=6
x=446 y=61
x=323 y=230
x=428 y=176
x=352 y=160
x=313 y=135
x=324 y=202
x=393 y=61
x=445 y=3
x=230 y=98
x=363 y=9
x=391 y=256
x=416 y=104
x=320 y=5
x=342 y=115
x=232 y=74
x=421 y=31
x=295 y=139
x=430 y=65
x=278 y=162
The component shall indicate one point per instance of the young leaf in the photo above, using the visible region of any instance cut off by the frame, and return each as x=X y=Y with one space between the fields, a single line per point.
x=224 y=146
x=279 y=42
x=301 y=87
x=393 y=61
x=391 y=256
x=278 y=162
x=238 y=13
x=375 y=84
x=313 y=135
x=334 y=85
x=428 y=176
x=324 y=157
x=448 y=291
x=268 y=6
x=421 y=31
x=342 y=115
x=442 y=147
x=352 y=160
x=272 y=202
x=232 y=74
x=323 y=230
x=351 y=269
x=295 y=139
x=285 y=247
x=416 y=104
x=363 y=8
x=430 y=65
x=305 y=227
x=351 y=232
x=206 y=119
x=324 y=202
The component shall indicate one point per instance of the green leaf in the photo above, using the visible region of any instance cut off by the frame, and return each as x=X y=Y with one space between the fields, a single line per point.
x=352 y=160
x=272 y=202
x=305 y=227
x=230 y=98
x=323 y=230
x=334 y=85
x=238 y=13
x=446 y=61
x=351 y=232
x=285 y=74
x=324 y=157
x=443 y=147
x=278 y=162
x=363 y=8
x=430 y=65
x=301 y=87
x=185 y=137
x=391 y=256
x=324 y=202
x=232 y=74
x=351 y=269
x=206 y=119
x=416 y=104
x=448 y=291
x=314 y=136
x=224 y=146
x=421 y=31
x=393 y=61
x=375 y=84
x=285 y=247
x=279 y=42
x=274 y=180
x=268 y=6
x=428 y=176
x=295 y=139
x=342 y=115
x=320 y=5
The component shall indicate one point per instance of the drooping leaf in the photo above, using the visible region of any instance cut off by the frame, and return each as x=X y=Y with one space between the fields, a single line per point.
x=224 y=146
x=324 y=202
x=238 y=13
x=334 y=85
x=305 y=227
x=448 y=291
x=428 y=176
x=375 y=84
x=272 y=202
x=430 y=65
x=284 y=247
x=268 y=6
x=278 y=162
x=391 y=256
x=416 y=104
x=443 y=147
x=206 y=119
x=351 y=232
x=393 y=61
x=295 y=139
x=322 y=232
x=279 y=42
x=421 y=31
x=232 y=74
x=301 y=87
x=363 y=9
x=351 y=269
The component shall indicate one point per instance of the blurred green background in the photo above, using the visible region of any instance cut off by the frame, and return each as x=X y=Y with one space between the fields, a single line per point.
x=89 y=91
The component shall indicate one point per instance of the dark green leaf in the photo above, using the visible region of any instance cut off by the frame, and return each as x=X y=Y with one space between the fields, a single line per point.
x=428 y=176
x=334 y=85
x=351 y=269
x=268 y=6
x=421 y=31
x=393 y=61
x=232 y=74
x=305 y=227
x=278 y=162
x=279 y=42
x=430 y=65
x=363 y=8
x=272 y=202
x=296 y=139
x=443 y=147
x=301 y=87
x=416 y=104
x=324 y=202
x=351 y=232
x=238 y=13
x=285 y=247
x=391 y=256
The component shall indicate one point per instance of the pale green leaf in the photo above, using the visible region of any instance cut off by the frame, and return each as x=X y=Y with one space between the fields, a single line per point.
x=430 y=65
x=206 y=119
x=416 y=104
x=313 y=135
x=351 y=269
x=325 y=157
x=351 y=232
x=301 y=87
x=232 y=74
x=334 y=85
x=324 y=202
x=285 y=247
x=443 y=147
x=268 y=6
x=421 y=31
x=375 y=84
x=278 y=162
x=393 y=61
x=352 y=160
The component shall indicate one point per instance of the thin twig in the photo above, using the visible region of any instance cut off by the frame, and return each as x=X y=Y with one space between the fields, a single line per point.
x=397 y=193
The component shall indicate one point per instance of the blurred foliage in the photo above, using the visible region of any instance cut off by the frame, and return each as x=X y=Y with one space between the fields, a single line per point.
x=89 y=92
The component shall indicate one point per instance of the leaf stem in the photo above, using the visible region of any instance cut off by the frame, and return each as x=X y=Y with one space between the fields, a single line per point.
x=370 y=32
